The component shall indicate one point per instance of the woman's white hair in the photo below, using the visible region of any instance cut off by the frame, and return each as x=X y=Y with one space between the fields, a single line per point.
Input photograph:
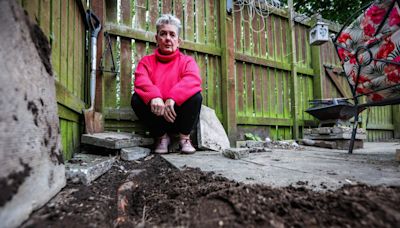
x=168 y=19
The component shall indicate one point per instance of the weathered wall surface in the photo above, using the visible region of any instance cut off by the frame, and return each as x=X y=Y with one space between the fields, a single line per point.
x=31 y=162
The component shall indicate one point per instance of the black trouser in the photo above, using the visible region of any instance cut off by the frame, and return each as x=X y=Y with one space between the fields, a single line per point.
x=187 y=116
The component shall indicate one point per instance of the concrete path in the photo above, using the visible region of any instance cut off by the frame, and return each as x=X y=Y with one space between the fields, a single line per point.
x=315 y=168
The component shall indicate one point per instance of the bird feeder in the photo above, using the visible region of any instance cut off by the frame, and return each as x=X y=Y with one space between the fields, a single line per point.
x=319 y=34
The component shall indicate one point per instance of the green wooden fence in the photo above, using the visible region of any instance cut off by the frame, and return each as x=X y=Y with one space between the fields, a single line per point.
x=249 y=78
x=62 y=22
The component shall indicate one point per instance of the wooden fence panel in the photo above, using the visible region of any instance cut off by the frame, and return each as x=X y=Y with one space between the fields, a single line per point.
x=62 y=23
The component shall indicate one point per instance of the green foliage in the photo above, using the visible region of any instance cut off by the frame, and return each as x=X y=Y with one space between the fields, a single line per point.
x=250 y=136
x=334 y=10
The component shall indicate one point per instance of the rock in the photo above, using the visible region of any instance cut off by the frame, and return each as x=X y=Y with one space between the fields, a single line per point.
x=259 y=150
x=211 y=134
x=249 y=144
x=85 y=168
x=236 y=153
x=32 y=167
x=134 y=153
x=115 y=140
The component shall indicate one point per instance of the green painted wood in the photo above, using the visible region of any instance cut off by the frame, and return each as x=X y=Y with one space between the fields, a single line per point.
x=108 y=78
x=210 y=22
x=246 y=33
x=257 y=75
x=240 y=88
x=237 y=17
x=264 y=121
x=293 y=83
x=65 y=97
x=396 y=120
x=200 y=19
x=153 y=13
x=78 y=54
x=140 y=14
x=68 y=114
x=126 y=57
x=249 y=90
x=166 y=6
x=149 y=37
x=188 y=33
x=70 y=45
x=44 y=16
x=64 y=43
x=264 y=90
x=218 y=23
x=178 y=11
x=55 y=40
x=64 y=137
x=32 y=7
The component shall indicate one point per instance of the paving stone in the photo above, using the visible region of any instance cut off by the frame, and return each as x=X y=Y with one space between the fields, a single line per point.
x=85 y=168
x=236 y=153
x=211 y=134
x=250 y=144
x=398 y=155
x=115 y=140
x=259 y=150
x=134 y=153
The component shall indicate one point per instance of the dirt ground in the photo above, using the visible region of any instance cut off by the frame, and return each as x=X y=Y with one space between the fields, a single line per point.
x=160 y=195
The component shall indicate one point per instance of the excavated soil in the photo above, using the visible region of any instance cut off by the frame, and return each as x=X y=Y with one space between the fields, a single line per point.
x=166 y=197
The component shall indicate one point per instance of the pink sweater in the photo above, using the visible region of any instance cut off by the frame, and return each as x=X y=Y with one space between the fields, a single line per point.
x=174 y=76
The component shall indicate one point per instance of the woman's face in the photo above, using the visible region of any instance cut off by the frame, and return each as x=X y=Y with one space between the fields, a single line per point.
x=167 y=39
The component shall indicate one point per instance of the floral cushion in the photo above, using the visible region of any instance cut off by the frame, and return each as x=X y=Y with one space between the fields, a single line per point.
x=369 y=50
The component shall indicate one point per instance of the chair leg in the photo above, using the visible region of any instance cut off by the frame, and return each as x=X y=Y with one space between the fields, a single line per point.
x=353 y=133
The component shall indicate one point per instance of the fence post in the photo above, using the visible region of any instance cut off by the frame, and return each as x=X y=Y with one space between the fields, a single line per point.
x=294 y=84
x=228 y=72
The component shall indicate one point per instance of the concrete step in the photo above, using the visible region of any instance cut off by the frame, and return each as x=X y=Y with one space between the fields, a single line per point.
x=85 y=168
x=115 y=140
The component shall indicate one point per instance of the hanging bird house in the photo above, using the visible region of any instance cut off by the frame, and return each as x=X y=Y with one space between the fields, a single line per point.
x=319 y=34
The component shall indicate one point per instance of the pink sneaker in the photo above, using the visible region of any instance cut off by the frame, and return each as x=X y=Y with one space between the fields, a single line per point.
x=162 y=144
x=186 y=146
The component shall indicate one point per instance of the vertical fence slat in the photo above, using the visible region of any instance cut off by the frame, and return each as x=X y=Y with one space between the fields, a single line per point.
x=238 y=29
x=56 y=38
x=246 y=32
x=125 y=56
x=64 y=43
x=166 y=6
x=210 y=80
x=249 y=90
x=278 y=41
x=270 y=38
x=153 y=14
x=202 y=65
x=258 y=90
x=263 y=44
x=78 y=39
x=189 y=22
x=70 y=54
x=178 y=11
x=200 y=30
x=240 y=84
x=265 y=91
x=44 y=19
x=210 y=18
x=217 y=23
x=140 y=14
x=109 y=79
x=285 y=32
x=256 y=44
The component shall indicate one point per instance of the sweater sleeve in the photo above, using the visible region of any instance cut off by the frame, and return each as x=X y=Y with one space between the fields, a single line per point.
x=144 y=87
x=188 y=85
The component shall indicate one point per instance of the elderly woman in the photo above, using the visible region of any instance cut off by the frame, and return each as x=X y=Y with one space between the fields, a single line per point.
x=167 y=94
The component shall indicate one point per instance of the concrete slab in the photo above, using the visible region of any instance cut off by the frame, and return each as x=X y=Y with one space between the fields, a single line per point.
x=319 y=167
x=134 y=153
x=85 y=168
x=115 y=140
x=210 y=133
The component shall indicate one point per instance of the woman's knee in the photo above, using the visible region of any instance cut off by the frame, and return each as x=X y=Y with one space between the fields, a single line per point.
x=196 y=99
